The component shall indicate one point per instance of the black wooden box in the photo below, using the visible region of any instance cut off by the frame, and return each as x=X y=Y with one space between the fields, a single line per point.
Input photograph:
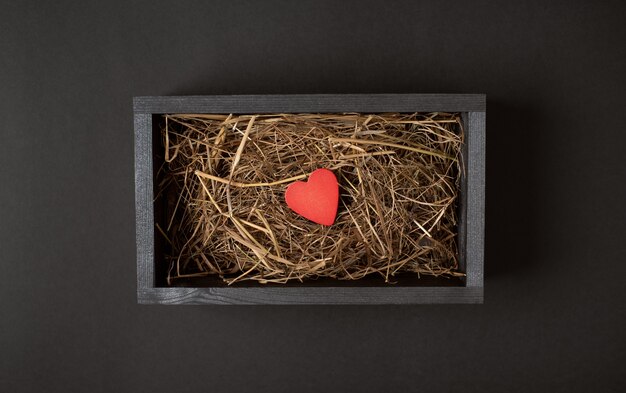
x=151 y=287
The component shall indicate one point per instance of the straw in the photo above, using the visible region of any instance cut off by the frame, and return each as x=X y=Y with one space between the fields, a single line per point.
x=224 y=178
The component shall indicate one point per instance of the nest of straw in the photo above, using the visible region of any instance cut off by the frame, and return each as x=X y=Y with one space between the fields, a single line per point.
x=224 y=178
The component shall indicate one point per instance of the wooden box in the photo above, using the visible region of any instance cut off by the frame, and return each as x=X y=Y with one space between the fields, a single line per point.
x=151 y=287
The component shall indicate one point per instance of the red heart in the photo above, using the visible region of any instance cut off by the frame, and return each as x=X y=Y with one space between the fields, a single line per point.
x=317 y=199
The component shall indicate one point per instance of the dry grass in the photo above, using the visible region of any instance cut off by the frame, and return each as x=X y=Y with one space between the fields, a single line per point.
x=224 y=178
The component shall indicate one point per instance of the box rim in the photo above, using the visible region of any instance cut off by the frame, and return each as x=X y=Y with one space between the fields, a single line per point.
x=474 y=105
x=313 y=102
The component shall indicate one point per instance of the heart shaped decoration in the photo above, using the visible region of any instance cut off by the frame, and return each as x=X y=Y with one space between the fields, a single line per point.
x=316 y=200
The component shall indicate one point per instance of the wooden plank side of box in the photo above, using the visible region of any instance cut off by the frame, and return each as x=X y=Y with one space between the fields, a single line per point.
x=311 y=295
x=318 y=103
x=475 y=199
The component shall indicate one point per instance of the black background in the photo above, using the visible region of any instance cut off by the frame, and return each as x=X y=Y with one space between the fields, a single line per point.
x=553 y=319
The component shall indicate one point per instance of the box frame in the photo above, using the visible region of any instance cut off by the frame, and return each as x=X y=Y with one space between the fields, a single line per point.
x=472 y=207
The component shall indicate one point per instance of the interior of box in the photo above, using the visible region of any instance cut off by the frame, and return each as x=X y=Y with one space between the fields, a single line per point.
x=162 y=248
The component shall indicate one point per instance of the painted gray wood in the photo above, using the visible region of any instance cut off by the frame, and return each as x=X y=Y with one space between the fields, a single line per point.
x=475 y=195
x=144 y=211
x=473 y=108
x=326 y=295
x=312 y=103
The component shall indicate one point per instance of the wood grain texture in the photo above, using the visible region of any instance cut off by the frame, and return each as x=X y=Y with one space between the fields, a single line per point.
x=312 y=103
x=475 y=204
x=473 y=109
x=327 y=295
x=144 y=211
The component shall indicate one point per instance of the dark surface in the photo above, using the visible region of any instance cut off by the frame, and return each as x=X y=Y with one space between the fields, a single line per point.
x=555 y=261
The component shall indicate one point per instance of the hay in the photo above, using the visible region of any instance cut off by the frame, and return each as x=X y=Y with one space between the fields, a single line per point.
x=224 y=177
